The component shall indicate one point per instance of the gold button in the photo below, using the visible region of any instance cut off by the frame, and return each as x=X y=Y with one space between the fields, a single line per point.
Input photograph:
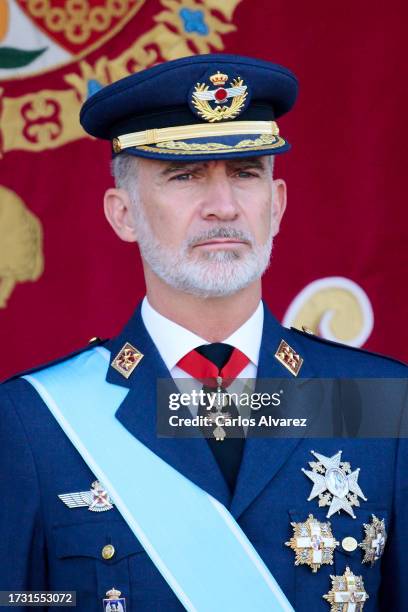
x=307 y=330
x=108 y=551
x=94 y=339
x=117 y=147
x=349 y=544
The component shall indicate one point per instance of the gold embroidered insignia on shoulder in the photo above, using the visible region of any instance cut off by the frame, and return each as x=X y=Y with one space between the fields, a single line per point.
x=288 y=357
x=126 y=360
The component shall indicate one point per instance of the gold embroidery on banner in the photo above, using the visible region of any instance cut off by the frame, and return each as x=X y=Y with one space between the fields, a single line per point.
x=199 y=41
x=76 y=19
x=42 y=119
x=51 y=118
x=76 y=57
x=39 y=121
x=335 y=308
x=21 y=256
x=4 y=18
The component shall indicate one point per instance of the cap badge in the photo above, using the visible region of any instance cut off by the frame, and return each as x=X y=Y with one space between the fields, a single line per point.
x=221 y=102
x=374 y=542
x=97 y=499
x=347 y=593
x=289 y=358
x=313 y=543
x=334 y=483
x=126 y=360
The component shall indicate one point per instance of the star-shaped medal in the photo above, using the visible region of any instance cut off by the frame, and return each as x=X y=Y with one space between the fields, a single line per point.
x=334 y=483
x=313 y=543
x=374 y=542
x=347 y=593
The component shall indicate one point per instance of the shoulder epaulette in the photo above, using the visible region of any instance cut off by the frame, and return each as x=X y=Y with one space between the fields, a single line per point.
x=310 y=335
x=91 y=344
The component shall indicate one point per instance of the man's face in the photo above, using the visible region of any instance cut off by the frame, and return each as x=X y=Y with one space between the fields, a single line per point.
x=206 y=227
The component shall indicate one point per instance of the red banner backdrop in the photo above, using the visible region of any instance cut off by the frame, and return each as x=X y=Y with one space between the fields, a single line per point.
x=339 y=263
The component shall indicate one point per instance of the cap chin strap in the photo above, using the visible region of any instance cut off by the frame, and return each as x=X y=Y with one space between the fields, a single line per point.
x=205 y=130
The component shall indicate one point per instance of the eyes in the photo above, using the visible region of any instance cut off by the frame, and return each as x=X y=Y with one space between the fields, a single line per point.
x=186 y=176
x=238 y=173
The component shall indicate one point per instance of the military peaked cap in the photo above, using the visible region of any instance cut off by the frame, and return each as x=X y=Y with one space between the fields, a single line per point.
x=213 y=106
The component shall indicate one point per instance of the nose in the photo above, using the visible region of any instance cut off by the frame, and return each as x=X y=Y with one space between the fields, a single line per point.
x=219 y=202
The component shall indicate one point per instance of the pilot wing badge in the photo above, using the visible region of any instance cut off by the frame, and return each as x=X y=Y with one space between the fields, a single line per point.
x=220 y=100
x=97 y=499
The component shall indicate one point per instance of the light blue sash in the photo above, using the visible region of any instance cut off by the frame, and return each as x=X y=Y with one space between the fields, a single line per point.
x=192 y=539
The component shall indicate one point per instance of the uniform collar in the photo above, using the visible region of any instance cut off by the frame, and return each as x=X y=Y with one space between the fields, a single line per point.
x=174 y=341
x=193 y=458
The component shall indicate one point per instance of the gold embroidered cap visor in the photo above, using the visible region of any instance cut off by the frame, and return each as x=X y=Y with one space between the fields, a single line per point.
x=244 y=137
x=212 y=106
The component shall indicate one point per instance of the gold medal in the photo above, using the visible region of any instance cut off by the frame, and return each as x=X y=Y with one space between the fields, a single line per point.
x=347 y=593
x=313 y=543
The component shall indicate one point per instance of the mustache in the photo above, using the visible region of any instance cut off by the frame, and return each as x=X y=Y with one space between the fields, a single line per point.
x=221 y=232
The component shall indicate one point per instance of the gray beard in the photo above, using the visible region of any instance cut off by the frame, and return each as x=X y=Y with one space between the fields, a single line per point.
x=212 y=273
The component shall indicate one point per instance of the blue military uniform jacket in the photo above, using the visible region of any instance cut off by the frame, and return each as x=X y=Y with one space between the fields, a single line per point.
x=46 y=545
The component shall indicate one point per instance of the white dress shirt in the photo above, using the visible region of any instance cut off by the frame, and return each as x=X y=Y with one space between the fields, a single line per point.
x=174 y=341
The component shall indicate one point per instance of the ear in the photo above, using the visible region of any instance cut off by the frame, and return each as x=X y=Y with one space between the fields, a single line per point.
x=118 y=211
x=278 y=203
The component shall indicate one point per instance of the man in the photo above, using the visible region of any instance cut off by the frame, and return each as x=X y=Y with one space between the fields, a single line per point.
x=173 y=520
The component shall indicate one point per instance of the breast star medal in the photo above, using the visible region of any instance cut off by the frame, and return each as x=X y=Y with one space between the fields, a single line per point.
x=374 y=542
x=313 y=543
x=347 y=593
x=334 y=483
x=97 y=498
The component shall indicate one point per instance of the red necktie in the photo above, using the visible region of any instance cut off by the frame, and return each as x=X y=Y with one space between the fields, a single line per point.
x=206 y=371
x=212 y=361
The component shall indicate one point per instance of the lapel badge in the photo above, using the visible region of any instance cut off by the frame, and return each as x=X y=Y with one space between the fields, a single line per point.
x=347 y=593
x=218 y=100
x=374 y=542
x=97 y=499
x=126 y=360
x=288 y=357
x=313 y=543
x=114 y=602
x=334 y=483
